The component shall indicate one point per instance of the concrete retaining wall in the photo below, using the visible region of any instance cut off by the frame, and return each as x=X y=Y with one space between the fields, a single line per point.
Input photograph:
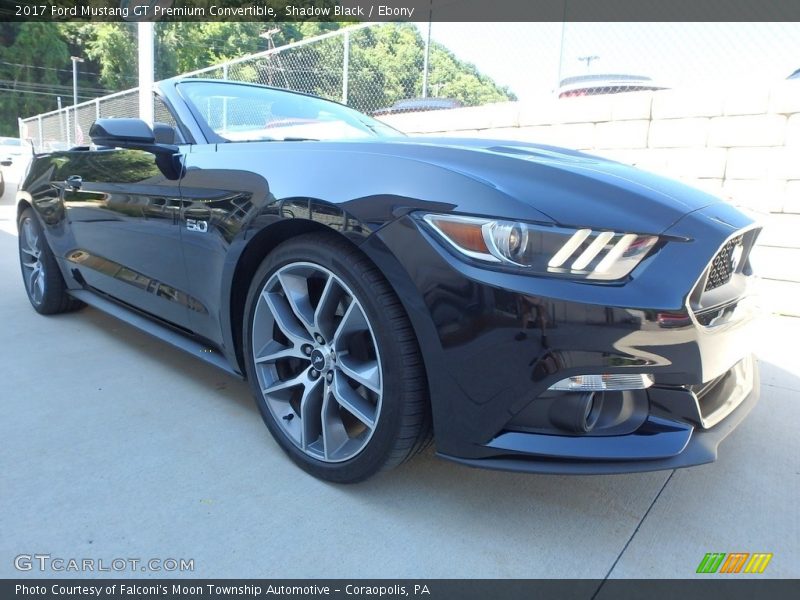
x=740 y=144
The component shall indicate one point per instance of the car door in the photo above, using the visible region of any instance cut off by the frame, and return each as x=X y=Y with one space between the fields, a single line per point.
x=218 y=202
x=123 y=210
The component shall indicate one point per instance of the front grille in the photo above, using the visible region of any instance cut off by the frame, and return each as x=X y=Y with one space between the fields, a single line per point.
x=722 y=266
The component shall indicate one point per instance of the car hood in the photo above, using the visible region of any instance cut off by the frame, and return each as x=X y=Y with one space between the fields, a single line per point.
x=569 y=187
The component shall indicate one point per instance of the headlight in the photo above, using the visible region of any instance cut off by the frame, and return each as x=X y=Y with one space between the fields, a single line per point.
x=539 y=249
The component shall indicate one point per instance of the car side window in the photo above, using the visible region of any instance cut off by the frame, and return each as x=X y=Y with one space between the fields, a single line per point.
x=162 y=114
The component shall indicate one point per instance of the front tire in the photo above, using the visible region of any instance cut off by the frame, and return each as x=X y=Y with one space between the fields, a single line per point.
x=40 y=274
x=332 y=360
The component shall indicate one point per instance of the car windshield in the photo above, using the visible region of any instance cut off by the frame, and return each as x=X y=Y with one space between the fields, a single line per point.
x=239 y=113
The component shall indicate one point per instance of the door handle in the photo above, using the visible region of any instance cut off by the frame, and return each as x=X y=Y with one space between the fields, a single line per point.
x=74 y=181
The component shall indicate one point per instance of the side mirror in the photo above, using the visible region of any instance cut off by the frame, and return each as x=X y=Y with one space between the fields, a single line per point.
x=164 y=134
x=135 y=134
x=123 y=133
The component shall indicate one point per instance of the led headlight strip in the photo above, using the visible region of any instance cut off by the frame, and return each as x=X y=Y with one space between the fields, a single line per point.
x=579 y=253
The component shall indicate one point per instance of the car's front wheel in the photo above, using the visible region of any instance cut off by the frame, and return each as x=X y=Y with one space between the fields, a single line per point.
x=332 y=360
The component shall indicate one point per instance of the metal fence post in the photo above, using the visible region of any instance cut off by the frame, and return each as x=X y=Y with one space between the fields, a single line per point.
x=61 y=130
x=41 y=134
x=96 y=108
x=225 y=72
x=66 y=120
x=346 y=67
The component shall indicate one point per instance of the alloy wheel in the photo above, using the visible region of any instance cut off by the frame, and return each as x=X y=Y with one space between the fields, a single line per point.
x=31 y=259
x=317 y=361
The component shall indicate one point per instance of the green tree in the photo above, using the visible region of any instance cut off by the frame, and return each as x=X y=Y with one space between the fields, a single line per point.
x=31 y=58
x=113 y=48
x=454 y=78
x=387 y=64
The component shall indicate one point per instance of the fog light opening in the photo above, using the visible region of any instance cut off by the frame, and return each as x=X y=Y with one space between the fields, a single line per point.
x=577 y=413
x=593 y=408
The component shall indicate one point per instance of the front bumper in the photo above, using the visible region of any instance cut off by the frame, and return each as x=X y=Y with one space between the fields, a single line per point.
x=696 y=445
x=493 y=343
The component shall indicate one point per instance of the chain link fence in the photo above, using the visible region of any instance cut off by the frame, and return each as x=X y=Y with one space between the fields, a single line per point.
x=386 y=68
x=315 y=66
x=62 y=129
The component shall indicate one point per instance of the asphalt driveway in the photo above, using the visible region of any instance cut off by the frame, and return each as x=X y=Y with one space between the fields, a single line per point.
x=116 y=445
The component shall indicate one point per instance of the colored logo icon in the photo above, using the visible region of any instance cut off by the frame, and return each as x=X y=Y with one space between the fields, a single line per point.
x=734 y=562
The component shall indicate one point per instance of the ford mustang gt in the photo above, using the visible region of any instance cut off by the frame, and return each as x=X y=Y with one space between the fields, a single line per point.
x=529 y=307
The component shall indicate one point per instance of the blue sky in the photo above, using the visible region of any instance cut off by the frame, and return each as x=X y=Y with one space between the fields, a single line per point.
x=525 y=56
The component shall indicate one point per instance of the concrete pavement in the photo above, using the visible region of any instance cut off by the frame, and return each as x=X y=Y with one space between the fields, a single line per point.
x=116 y=445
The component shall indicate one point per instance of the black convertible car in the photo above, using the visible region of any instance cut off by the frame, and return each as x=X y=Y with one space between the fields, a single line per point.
x=538 y=309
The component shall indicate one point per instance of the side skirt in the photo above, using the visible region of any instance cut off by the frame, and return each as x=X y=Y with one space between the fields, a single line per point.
x=161 y=332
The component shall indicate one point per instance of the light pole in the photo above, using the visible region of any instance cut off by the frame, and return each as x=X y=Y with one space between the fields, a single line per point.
x=267 y=35
x=146 y=51
x=427 y=57
x=75 y=60
x=588 y=60
x=145 y=37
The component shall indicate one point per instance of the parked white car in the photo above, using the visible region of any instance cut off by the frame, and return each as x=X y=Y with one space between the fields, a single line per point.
x=15 y=154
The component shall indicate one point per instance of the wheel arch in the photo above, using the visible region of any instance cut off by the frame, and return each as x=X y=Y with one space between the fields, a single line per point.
x=271 y=236
x=261 y=244
x=22 y=205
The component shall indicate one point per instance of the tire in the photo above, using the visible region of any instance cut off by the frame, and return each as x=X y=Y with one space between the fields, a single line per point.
x=40 y=273
x=352 y=401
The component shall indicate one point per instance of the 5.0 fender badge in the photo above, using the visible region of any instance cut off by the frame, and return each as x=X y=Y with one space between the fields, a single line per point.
x=195 y=225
